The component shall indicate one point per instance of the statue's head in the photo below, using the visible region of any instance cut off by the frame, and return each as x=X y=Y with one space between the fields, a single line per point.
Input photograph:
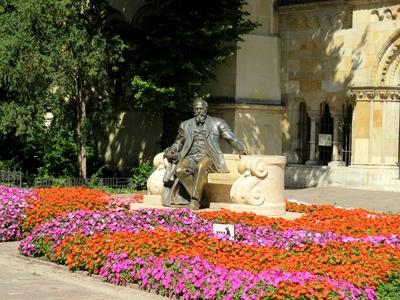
x=200 y=108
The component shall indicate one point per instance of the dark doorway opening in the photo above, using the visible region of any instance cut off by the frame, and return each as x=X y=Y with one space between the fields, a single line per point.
x=346 y=136
x=325 y=127
x=303 y=136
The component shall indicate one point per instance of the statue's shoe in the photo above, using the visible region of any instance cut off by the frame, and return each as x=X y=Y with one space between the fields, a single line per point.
x=194 y=204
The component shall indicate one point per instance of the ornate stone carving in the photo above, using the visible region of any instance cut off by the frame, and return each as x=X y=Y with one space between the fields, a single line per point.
x=390 y=60
x=375 y=93
x=155 y=184
x=389 y=13
x=261 y=182
x=307 y=21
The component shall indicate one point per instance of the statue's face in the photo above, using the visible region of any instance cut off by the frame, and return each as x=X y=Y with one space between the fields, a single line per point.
x=200 y=112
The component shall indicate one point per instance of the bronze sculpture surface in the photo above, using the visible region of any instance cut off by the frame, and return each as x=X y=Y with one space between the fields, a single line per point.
x=194 y=154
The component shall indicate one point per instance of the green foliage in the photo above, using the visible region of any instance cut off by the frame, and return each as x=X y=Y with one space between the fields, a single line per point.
x=6 y=165
x=58 y=56
x=95 y=178
x=147 y=93
x=114 y=191
x=140 y=174
x=176 y=47
x=390 y=290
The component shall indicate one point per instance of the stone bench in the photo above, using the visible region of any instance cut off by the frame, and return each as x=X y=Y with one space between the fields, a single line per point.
x=219 y=184
x=255 y=183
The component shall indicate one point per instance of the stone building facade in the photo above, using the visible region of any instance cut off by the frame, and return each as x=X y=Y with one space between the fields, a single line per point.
x=341 y=85
x=318 y=81
x=335 y=66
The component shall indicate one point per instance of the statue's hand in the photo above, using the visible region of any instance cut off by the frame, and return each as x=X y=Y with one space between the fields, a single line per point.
x=171 y=154
x=243 y=152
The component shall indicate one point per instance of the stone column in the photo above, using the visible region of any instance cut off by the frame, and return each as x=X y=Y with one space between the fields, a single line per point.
x=314 y=115
x=336 y=156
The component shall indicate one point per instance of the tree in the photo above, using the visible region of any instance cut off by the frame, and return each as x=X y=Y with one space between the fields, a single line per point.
x=177 y=45
x=57 y=56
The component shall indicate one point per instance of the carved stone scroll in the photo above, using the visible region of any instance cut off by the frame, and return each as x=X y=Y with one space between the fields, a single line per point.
x=261 y=185
x=155 y=184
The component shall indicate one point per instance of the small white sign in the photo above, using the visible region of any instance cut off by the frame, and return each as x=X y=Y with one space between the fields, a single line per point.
x=225 y=229
x=324 y=139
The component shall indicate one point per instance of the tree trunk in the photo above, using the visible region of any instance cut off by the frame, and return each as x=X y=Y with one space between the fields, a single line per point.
x=82 y=131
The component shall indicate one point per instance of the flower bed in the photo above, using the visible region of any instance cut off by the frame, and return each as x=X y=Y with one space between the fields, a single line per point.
x=329 y=253
x=12 y=212
x=21 y=210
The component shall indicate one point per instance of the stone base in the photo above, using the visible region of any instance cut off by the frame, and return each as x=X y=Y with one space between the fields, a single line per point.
x=152 y=200
x=336 y=163
x=270 y=210
x=219 y=206
x=312 y=162
x=383 y=178
x=217 y=193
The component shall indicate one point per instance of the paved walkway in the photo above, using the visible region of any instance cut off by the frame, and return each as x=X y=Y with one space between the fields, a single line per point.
x=378 y=201
x=24 y=278
x=32 y=279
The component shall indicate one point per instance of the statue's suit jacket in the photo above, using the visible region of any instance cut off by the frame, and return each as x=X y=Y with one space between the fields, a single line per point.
x=215 y=128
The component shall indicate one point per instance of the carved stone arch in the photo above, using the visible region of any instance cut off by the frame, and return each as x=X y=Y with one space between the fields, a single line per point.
x=384 y=71
x=393 y=74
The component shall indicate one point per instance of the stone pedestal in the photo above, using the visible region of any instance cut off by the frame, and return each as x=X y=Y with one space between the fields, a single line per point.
x=155 y=184
x=254 y=184
x=260 y=188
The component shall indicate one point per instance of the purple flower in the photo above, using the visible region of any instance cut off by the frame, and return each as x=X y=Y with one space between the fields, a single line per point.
x=12 y=212
x=194 y=277
x=181 y=220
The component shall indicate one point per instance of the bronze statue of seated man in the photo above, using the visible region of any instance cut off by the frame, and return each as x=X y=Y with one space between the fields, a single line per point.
x=194 y=154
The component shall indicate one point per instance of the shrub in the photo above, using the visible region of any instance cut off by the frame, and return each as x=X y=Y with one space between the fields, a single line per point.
x=140 y=174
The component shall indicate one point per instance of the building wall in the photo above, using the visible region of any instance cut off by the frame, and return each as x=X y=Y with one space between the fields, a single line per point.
x=248 y=86
x=134 y=138
x=334 y=52
x=258 y=126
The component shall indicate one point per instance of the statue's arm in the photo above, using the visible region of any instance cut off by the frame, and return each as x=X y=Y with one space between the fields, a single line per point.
x=227 y=134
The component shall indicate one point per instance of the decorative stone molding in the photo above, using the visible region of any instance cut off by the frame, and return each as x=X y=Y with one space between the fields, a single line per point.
x=390 y=59
x=388 y=13
x=155 y=184
x=327 y=22
x=261 y=184
x=375 y=93
x=308 y=16
x=386 y=66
